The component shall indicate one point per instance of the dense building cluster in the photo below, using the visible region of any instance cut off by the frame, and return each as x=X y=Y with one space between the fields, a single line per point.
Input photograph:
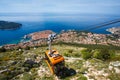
x=40 y=38
x=89 y=38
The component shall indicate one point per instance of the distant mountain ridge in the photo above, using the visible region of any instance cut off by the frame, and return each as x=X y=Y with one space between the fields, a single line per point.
x=5 y=25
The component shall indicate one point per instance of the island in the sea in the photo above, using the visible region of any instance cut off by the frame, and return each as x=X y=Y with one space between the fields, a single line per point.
x=5 y=25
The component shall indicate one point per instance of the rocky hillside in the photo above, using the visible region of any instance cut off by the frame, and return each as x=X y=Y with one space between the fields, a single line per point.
x=29 y=64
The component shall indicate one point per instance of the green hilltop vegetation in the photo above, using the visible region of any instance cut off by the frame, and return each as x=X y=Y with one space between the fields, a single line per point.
x=5 y=25
x=29 y=64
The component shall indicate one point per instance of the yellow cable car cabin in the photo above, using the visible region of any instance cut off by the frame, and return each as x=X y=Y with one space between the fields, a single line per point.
x=55 y=61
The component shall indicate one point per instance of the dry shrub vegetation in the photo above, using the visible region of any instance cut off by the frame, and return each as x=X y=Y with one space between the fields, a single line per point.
x=13 y=62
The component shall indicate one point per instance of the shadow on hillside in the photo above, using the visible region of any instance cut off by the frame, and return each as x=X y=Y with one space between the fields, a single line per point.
x=66 y=72
x=29 y=64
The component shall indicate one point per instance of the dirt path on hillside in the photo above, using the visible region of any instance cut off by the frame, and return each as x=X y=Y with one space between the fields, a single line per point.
x=71 y=59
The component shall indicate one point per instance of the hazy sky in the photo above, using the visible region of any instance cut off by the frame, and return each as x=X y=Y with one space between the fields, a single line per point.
x=60 y=6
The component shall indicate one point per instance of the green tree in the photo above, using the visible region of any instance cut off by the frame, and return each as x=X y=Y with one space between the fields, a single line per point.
x=97 y=54
x=27 y=48
x=102 y=54
x=86 y=53
x=2 y=49
x=27 y=76
x=70 y=51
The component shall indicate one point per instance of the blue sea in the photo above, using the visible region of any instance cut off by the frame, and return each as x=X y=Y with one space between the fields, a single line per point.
x=55 y=22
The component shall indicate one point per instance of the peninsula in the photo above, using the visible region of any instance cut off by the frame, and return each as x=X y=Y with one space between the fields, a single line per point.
x=5 y=25
x=70 y=36
x=114 y=30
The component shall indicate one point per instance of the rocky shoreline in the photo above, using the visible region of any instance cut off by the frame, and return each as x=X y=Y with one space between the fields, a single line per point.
x=35 y=40
x=114 y=30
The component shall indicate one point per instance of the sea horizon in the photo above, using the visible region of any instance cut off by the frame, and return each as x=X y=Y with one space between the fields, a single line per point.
x=55 y=22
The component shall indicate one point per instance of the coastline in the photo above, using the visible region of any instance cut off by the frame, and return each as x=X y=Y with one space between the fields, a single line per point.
x=6 y=25
x=69 y=36
x=22 y=38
